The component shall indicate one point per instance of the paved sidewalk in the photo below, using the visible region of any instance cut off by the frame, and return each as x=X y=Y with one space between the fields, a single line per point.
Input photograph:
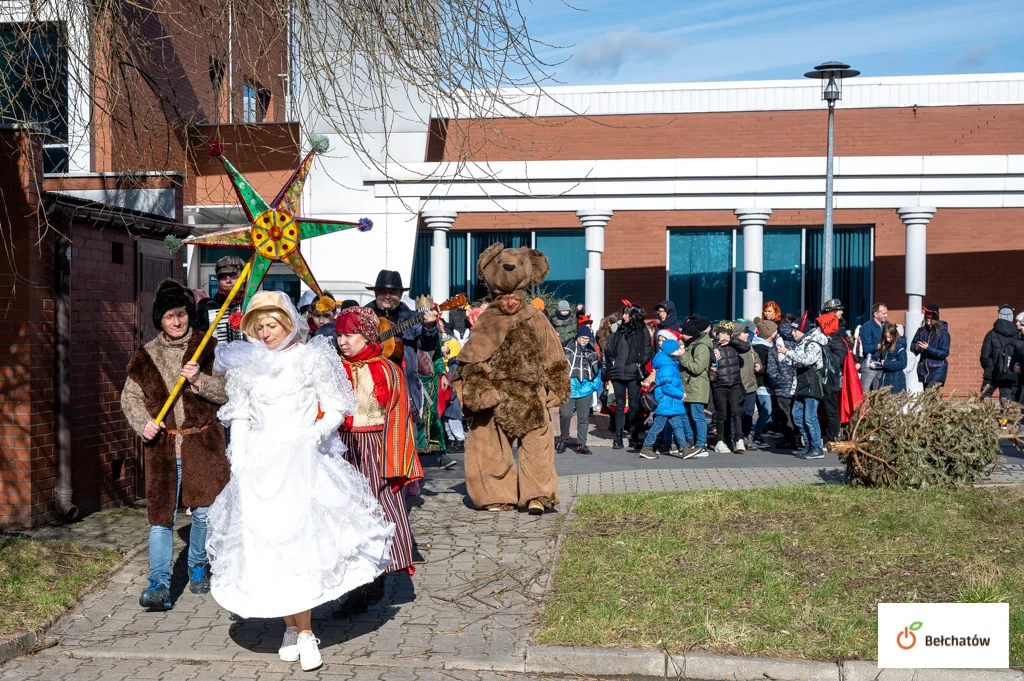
x=473 y=602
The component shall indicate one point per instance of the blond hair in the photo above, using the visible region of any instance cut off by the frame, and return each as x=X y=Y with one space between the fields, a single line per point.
x=278 y=316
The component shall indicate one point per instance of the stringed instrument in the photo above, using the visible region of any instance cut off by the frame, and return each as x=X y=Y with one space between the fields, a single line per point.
x=391 y=334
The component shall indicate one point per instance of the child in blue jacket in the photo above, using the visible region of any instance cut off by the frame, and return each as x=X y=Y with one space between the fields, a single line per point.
x=668 y=392
x=585 y=377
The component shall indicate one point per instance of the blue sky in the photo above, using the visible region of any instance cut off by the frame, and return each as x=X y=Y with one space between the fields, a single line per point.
x=655 y=41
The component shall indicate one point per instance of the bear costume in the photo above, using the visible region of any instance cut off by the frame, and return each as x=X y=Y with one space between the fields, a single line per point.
x=511 y=371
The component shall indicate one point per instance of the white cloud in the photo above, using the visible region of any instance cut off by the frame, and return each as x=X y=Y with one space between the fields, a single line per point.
x=607 y=54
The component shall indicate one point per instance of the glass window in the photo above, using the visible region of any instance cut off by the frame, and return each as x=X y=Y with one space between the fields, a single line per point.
x=481 y=240
x=34 y=85
x=456 y=264
x=567 y=254
x=248 y=102
x=700 y=269
x=851 y=270
x=781 y=280
x=289 y=283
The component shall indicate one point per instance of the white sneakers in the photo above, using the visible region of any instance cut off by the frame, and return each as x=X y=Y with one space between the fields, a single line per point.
x=722 y=448
x=309 y=653
x=289 y=650
x=741 y=446
x=296 y=647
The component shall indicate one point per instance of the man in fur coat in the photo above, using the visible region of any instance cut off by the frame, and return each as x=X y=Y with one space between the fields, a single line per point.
x=511 y=371
x=185 y=454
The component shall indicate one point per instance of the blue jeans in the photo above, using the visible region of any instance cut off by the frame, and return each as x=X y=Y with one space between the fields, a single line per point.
x=699 y=422
x=805 y=415
x=678 y=428
x=161 y=542
x=764 y=414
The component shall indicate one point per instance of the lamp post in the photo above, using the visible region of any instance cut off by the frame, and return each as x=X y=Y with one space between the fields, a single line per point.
x=831 y=74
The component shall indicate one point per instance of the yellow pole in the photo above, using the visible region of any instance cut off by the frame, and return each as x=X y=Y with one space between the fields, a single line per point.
x=206 y=339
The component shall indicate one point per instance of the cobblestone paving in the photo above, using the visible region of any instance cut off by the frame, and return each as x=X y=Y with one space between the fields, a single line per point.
x=122 y=529
x=62 y=668
x=472 y=604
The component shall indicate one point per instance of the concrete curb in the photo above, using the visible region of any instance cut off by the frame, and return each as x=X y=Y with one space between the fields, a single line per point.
x=708 y=667
x=17 y=646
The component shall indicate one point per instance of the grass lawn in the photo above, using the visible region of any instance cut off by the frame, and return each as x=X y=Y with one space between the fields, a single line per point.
x=791 y=572
x=39 y=579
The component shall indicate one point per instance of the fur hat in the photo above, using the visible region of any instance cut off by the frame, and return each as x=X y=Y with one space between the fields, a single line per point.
x=169 y=296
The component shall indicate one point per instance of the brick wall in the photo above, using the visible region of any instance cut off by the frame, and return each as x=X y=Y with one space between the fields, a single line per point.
x=103 y=337
x=974 y=262
x=948 y=130
x=27 y=444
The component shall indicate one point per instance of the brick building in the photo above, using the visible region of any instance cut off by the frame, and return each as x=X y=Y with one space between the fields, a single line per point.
x=659 y=191
x=87 y=200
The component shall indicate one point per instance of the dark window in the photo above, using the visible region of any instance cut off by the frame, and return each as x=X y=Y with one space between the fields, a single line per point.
x=255 y=102
x=117 y=253
x=34 y=84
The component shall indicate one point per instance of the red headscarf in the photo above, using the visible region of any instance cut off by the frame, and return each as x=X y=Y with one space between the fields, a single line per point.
x=362 y=320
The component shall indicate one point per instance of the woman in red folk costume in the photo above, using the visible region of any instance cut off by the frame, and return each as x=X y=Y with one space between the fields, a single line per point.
x=379 y=437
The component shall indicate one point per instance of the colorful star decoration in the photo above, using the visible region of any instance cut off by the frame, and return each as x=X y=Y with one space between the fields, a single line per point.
x=274 y=231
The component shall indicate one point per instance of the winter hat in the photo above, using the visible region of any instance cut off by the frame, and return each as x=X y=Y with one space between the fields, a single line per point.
x=584 y=319
x=690 y=327
x=563 y=306
x=670 y=347
x=931 y=311
x=667 y=334
x=722 y=327
x=169 y=296
x=585 y=331
x=538 y=303
x=1006 y=312
x=786 y=331
x=765 y=327
x=359 y=320
x=346 y=304
x=1020 y=318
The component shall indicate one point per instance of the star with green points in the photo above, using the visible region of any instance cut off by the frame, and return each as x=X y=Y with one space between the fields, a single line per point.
x=274 y=231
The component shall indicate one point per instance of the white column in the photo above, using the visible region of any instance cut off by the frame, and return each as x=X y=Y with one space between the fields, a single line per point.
x=440 y=221
x=194 y=281
x=916 y=220
x=594 y=222
x=753 y=220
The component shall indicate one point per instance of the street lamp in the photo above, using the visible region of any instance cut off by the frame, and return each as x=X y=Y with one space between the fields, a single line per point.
x=831 y=75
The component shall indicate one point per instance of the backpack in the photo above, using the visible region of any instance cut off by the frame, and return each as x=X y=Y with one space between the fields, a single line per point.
x=832 y=374
x=1004 y=365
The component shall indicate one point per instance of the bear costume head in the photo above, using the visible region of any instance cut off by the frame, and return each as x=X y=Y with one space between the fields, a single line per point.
x=511 y=270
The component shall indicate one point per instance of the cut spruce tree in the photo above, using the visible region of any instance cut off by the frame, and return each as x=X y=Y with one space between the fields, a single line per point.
x=926 y=440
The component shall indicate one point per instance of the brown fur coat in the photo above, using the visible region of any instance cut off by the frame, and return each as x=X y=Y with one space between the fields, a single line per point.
x=204 y=466
x=524 y=376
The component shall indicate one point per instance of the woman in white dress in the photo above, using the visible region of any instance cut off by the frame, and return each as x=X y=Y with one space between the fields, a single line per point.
x=296 y=525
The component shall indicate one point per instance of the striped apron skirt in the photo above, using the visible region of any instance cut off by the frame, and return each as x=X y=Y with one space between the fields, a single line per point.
x=365 y=449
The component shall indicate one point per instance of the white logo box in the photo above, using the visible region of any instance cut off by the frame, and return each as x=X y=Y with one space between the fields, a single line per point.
x=943 y=635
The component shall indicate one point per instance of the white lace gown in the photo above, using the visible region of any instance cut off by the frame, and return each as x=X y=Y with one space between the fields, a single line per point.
x=296 y=525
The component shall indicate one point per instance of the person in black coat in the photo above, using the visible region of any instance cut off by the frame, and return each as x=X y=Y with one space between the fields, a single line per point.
x=667 y=317
x=727 y=388
x=387 y=302
x=626 y=353
x=997 y=357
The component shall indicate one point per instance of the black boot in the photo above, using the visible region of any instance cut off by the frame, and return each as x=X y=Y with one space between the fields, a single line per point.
x=560 y=445
x=617 y=442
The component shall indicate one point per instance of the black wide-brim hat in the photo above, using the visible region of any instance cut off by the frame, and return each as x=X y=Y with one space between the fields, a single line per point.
x=388 y=279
